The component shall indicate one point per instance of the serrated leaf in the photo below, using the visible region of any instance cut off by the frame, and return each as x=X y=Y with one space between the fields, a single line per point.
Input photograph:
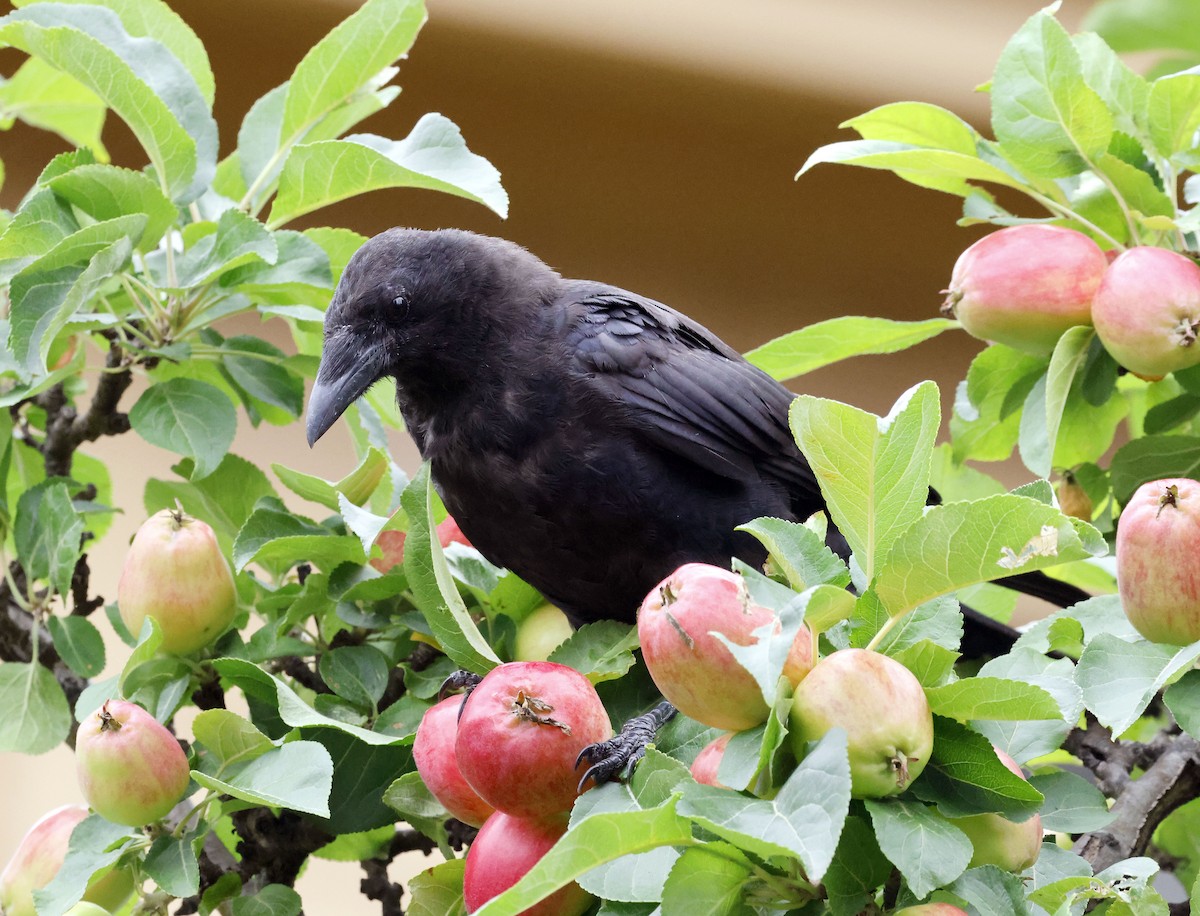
x=228 y=736
x=873 y=472
x=991 y=891
x=1048 y=121
x=830 y=341
x=992 y=698
x=79 y=643
x=704 y=882
x=858 y=868
x=959 y=544
x=106 y=192
x=298 y=775
x=1119 y=678
x=928 y=849
x=47 y=533
x=1153 y=458
x=356 y=673
x=278 y=539
x=433 y=588
x=411 y=799
x=272 y=900
x=601 y=651
x=433 y=156
x=171 y=864
x=438 y=891
x=225 y=498
x=986 y=415
x=1025 y=740
x=1126 y=93
x=1044 y=407
x=188 y=417
x=803 y=821
x=95 y=844
x=1183 y=699
x=138 y=78
x=38 y=718
x=1174 y=112
x=799 y=553
x=40 y=95
x=1073 y=805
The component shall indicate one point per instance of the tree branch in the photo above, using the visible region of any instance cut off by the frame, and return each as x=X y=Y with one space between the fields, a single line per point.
x=66 y=430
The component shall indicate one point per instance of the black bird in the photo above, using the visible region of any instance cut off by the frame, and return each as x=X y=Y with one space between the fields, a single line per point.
x=588 y=438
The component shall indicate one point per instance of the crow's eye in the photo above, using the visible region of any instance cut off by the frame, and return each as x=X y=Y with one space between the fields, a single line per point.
x=401 y=304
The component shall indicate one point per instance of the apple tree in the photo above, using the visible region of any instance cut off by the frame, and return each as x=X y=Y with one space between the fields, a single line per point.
x=1061 y=775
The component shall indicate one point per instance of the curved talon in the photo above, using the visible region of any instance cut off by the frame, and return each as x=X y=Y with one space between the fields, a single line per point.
x=618 y=756
x=459 y=681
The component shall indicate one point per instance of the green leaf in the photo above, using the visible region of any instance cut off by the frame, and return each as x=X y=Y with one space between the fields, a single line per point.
x=991 y=891
x=356 y=673
x=171 y=864
x=49 y=291
x=873 y=472
x=959 y=544
x=237 y=240
x=138 y=78
x=1183 y=699
x=272 y=900
x=928 y=849
x=1153 y=458
x=803 y=821
x=438 y=891
x=1127 y=94
x=410 y=798
x=105 y=192
x=188 y=417
x=987 y=408
x=992 y=698
x=349 y=56
x=298 y=775
x=95 y=844
x=857 y=870
x=229 y=737
x=799 y=552
x=37 y=718
x=940 y=169
x=601 y=651
x=965 y=777
x=79 y=643
x=705 y=882
x=44 y=97
x=827 y=342
x=596 y=840
x=225 y=498
x=433 y=588
x=256 y=368
x=154 y=19
x=47 y=532
x=278 y=540
x=433 y=156
x=1025 y=740
x=1048 y=121
x=1046 y=402
x=293 y=711
x=40 y=224
x=1119 y=678
x=1174 y=112
x=1073 y=805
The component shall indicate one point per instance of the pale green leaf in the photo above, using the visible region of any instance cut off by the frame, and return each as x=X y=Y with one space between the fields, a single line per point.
x=106 y=192
x=1119 y=678
x=1174 y=112
x=928 y=849
x=38 y=718
x=992 y=698
x=187 y=417
x=231 y=738
x=298 y=775
x=45 y=97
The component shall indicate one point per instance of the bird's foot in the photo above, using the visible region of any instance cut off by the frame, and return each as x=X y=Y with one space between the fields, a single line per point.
x=459 y=682
x=617 y=756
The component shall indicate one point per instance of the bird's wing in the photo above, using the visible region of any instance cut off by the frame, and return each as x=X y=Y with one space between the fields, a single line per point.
x=685 y=389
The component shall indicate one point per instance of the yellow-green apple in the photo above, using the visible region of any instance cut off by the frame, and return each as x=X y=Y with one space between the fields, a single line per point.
x=998 y=841
x=542 y=631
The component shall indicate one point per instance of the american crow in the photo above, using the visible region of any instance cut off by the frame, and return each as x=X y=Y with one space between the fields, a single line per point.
x=585 y=437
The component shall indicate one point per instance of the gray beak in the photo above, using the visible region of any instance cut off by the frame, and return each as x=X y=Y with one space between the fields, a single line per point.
x=349 y=366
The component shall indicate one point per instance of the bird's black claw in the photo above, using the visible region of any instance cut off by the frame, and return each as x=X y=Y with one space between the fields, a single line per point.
x=459 y=682
x=617 y=757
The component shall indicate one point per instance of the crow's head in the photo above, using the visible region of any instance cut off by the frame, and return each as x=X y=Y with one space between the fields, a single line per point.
x=421 y=306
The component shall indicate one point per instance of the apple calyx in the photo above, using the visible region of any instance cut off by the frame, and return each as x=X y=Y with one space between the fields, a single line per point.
x=1184 y=333
x=531 y=709
x=1169 y=497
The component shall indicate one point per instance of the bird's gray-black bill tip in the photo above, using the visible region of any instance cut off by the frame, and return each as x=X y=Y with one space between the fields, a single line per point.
x=340 y=382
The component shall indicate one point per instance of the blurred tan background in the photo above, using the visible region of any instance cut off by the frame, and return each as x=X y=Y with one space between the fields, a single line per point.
x=650 y=145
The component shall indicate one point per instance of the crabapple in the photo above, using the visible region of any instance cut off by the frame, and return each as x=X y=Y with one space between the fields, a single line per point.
x=433 y=751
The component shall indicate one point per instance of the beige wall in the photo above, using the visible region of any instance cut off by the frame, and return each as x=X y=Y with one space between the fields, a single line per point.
x=670 y=174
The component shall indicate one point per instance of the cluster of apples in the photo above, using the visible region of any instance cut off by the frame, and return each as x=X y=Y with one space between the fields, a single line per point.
x=685 y=626
x=504 y=760
x=1024 y=286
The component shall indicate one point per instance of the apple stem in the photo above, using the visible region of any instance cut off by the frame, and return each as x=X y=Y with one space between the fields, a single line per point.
x=1170 y=497
x=900 y=764
x=108 y=722
x=953 y=297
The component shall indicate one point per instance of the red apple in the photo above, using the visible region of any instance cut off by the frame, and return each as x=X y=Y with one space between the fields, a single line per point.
x=391 y=543
x=520 y=733
x=175 y=572
x=694 y=669
x=540 y=633
x=883 y=709
x=1001 y=842
x=131 y=769
x=1158 y=541
x=1023 y=286
x=433 y=751
x=40 y=855
x=1147 y=311
x=708 y=761
x=506 y=848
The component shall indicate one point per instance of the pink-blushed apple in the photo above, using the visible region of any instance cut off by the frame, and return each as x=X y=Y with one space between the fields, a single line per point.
x=694 y=669
x=131 y=769
x=175 y=572
x=505 y=850
x=1147 y=311
x=391 y=543
x=40 y=855
x=540 y=633
x=1158 y=541
x=931 y=909
x=883 y=709
x=1023 y=286
x=708 y=761
x=520 y=734
x=433 y=751
x=998 y=841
